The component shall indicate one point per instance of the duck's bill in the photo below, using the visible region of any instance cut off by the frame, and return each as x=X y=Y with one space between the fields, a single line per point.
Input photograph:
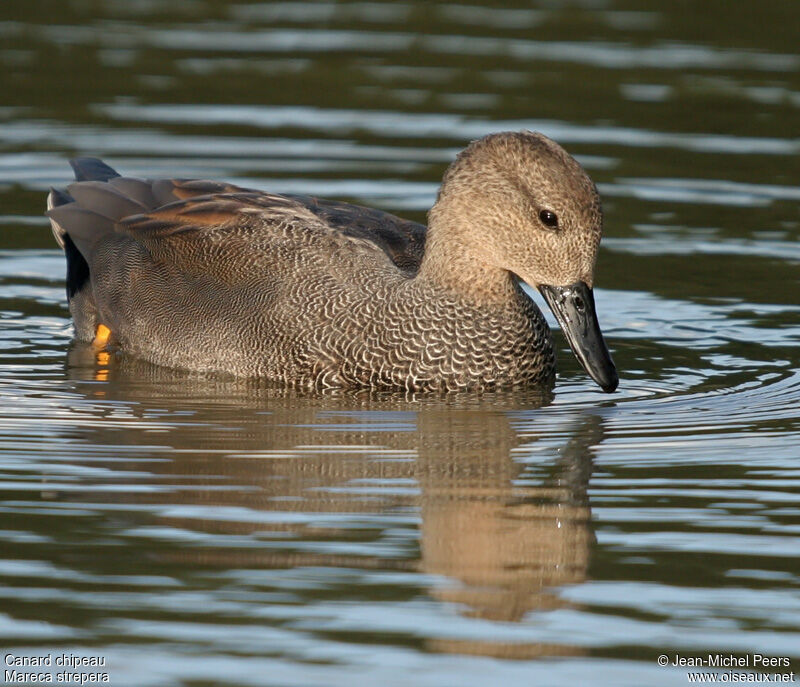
x=573 y=306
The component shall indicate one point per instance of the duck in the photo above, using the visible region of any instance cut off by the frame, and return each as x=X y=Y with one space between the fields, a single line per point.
x=303 y=292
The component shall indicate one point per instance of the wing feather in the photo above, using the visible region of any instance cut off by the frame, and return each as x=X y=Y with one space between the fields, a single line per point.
x=232 y=233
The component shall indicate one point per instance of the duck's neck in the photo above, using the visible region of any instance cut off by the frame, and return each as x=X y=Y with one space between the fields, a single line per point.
x=453 y=265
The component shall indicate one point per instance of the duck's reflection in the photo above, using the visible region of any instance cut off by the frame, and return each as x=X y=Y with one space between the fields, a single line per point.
x=500 y=531
x=505 y=545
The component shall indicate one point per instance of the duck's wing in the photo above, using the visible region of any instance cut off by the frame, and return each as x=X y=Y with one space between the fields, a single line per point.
x=202 y=226
x=402 y=240
x=212 y=204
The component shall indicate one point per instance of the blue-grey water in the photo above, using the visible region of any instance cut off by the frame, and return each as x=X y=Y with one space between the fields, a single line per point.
x=197 y=531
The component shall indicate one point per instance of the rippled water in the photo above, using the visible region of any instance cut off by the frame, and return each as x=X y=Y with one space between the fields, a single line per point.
x=206 y=532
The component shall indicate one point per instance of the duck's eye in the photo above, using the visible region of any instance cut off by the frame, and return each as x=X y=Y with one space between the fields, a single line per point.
x=549 y=219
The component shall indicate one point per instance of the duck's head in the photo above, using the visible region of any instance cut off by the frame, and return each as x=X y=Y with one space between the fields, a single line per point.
x=526 y=206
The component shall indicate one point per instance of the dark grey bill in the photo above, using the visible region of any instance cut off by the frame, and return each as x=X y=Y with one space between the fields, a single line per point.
x=573 y=306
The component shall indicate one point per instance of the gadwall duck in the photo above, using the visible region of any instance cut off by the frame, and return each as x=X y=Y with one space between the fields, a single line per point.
x=313 y=293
